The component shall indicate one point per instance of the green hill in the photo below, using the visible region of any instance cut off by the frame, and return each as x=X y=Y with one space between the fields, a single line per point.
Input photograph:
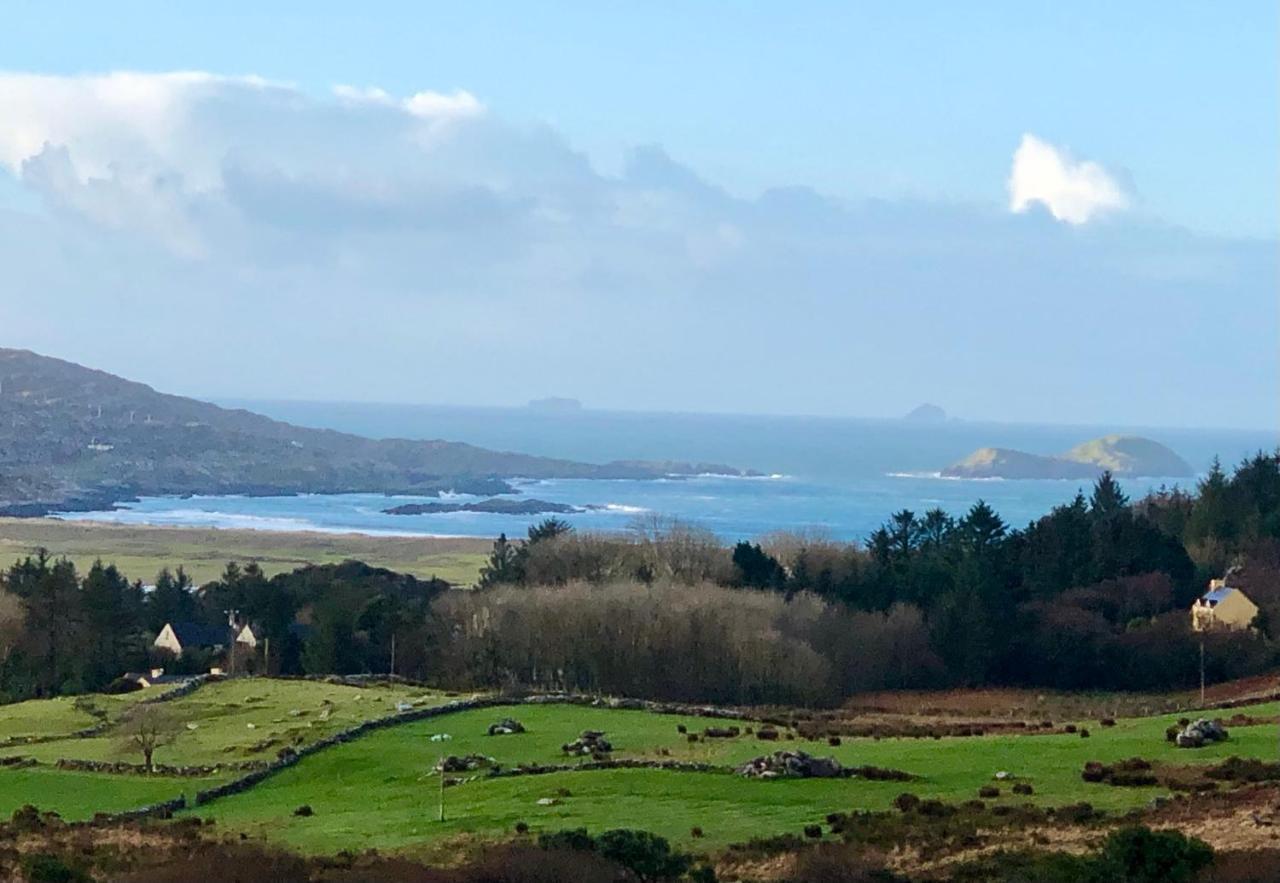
x=75 y=438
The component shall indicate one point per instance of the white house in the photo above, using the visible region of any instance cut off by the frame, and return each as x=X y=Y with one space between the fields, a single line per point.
x=1222 y=607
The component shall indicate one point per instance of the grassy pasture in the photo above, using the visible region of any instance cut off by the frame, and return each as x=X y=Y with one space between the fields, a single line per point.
x=379 y=791
x=389 y=770
x=141 y=551
x=234 y=720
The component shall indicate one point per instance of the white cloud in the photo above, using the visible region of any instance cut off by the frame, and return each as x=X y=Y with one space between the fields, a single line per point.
x=1073 y=190
x=229 y=234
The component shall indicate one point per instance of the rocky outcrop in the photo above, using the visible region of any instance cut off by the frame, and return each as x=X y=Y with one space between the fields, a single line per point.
x=1201 y=732
x=791 y=764
x=590 y=742
x=1122 y=455
x=508 y=726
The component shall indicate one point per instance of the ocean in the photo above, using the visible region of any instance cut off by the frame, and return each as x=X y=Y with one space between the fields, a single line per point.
x=835 y=476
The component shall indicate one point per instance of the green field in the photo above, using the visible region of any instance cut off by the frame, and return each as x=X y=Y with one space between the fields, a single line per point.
x=140 y=552
x=225 y=721
x=380 y=791
x=389 y=770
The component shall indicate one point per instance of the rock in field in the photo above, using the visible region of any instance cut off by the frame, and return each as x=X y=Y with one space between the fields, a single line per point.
x=506 y=727
x=1201 y=732
x=792 y=764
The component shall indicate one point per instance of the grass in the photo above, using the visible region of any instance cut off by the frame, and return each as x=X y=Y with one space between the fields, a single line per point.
x=380 y=792
x=75 y=795
x=235 y=720
x=389 y=770
x=140 y=552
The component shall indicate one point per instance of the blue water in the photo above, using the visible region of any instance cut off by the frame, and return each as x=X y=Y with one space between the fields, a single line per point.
x=841 y=477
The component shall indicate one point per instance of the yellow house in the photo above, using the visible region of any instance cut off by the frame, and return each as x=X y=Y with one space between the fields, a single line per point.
x=1222 y=607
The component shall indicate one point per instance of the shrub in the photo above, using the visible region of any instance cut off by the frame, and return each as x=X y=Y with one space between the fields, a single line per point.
x=1108 y=722
x=906 y=801
x=1023 y=788
x=646 y=855
x=988 y=792
x=695 y=832
x=681 y=729
x=304 y=811
x=1084 y=733
x=1141 y=855
x=44 y=868
x=522 y=827
x=833 y=741
x=813 y=832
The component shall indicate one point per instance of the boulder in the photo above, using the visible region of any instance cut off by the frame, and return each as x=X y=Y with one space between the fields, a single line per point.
x=464 y=764
x=1200 y=733
x=791 y=764
x=506 y=727
x=589 y=743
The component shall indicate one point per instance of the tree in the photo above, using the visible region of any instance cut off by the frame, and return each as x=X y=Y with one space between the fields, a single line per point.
x=503 y=565
x=1108 y=499
x=756 y=568
x=145 y=729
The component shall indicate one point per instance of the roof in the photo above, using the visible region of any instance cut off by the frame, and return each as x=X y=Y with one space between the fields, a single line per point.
x=1217 y=595
x=195 y=634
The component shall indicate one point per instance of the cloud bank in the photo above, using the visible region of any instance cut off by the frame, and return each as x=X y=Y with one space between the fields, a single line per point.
x=1074 y=191
x=232 y=235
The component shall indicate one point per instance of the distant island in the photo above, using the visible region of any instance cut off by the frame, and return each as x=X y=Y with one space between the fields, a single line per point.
x=76 y=439
x=492 y=507
x=1122 y=455
x=555 y=405
x=926 y=413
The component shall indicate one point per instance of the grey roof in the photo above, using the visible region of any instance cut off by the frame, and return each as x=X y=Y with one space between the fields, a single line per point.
x=196 y=634
x=1212 y=598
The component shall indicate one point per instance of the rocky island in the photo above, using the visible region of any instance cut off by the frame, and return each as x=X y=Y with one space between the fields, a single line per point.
x=1127 y=456
x=492 y=507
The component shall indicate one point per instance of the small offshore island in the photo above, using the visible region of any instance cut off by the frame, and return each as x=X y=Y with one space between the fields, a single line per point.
x=1128 y=456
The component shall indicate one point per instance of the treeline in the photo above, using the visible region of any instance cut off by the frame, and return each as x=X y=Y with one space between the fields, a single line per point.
x=1093 y=595
x=61 y=632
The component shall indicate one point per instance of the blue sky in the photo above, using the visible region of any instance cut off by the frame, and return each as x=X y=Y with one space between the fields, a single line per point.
x=1021 y=211
x=856 y=99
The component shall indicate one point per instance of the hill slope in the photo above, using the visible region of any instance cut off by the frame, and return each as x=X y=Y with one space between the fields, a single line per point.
x=1124 y=455
x=75 y=438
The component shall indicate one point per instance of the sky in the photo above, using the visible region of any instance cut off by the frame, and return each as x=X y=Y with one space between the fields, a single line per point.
x=1020 y=211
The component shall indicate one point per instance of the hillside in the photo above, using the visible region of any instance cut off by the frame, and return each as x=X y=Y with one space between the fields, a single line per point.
x=75 y=438
x=1129 y=456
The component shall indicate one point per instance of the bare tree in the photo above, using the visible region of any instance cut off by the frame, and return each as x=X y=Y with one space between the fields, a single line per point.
x=145 y=729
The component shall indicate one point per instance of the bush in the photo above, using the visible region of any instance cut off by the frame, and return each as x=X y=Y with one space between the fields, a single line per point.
x=646 y=855
x=813 y=832
x=522 y=828
x=988 y=792
x=1140 y=855
x=44 y=868
x=906 y=801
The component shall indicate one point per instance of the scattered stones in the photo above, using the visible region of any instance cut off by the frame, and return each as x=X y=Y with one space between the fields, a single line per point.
x=464 y=764
x=506 y=727
x=589 y=743
x=1200 y=733
x=791 y=764
x=547 y=801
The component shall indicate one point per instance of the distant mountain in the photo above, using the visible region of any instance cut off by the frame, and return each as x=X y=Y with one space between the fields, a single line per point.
x=73 y=438
x=1123 y=455
x=926 y=413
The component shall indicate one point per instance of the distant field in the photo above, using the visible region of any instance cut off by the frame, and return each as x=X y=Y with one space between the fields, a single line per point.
x=140 y=552
x=227 y=721
x=380 y=790
x=390 y=770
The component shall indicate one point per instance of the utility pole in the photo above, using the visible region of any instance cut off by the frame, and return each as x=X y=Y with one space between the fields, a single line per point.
x=393 y=654
x=266 y=656
x=1202 y=669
